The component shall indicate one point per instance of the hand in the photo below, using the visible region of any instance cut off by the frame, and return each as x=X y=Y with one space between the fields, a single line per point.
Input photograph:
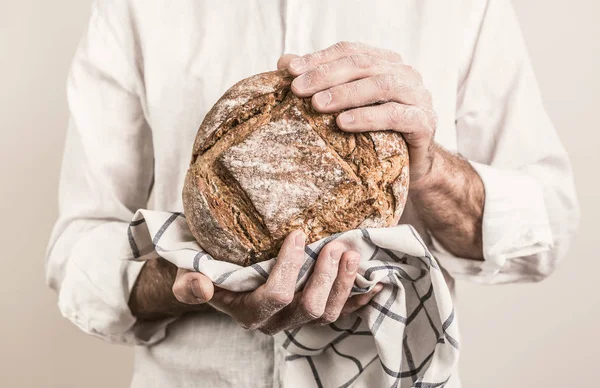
x=352 y=77
x=445 y=189
x=275 y=305
x=192 y=287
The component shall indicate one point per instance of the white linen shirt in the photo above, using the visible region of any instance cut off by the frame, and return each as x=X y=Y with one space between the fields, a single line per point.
x=145 y=74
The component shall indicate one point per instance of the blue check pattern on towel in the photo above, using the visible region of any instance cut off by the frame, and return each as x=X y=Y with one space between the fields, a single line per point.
x=407 y=336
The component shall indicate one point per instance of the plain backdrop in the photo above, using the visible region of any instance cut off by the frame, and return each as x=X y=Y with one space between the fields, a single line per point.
x=533 y=335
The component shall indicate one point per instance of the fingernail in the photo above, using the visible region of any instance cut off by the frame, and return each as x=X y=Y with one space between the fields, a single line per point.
x=323 y=99
x=195 y=288
x=346 y=118
x=302 y=82
x=299 y=240
x=335 y=255
x=352 y=265
x=298 y=64
x=378 y=287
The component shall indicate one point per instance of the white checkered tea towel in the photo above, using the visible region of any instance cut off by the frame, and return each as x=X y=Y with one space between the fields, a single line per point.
x=407 y=336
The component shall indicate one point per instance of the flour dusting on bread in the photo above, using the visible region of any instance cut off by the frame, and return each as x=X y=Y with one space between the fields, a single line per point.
x=265 y=163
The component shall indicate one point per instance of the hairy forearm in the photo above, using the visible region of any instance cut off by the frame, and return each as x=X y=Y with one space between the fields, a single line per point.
x=152 y=295
x=450 y=201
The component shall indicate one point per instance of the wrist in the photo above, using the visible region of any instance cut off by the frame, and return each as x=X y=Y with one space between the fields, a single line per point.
x=432 y=175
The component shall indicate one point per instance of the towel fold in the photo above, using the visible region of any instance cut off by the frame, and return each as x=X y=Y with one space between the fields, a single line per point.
x=407 y=336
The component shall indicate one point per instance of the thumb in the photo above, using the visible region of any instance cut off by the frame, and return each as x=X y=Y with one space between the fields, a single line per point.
x=192 y=287
x=285 y=60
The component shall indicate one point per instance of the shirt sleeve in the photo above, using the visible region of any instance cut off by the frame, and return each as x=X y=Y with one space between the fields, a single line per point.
x=530 y=212
x=106 y=175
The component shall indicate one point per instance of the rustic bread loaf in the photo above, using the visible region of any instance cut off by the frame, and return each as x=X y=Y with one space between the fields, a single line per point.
x=265 y=163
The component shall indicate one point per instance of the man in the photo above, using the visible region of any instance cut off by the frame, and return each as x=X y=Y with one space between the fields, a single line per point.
x=491 y=187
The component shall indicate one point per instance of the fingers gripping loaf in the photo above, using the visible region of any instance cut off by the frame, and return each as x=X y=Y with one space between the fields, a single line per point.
x=265 y=163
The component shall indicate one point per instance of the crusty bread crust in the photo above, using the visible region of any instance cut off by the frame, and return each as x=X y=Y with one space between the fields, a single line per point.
x=264 y=163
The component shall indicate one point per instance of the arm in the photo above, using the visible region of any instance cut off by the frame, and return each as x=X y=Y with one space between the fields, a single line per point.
x=106 y=176
x=153 y=298
x=445 y=188
x=530 y=208
x=509 y=198
x=450 y=201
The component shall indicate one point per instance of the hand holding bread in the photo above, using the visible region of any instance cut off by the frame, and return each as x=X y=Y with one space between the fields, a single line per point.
x=376 y=91
x=270 y=166
x=265 y=163
x=275 y=306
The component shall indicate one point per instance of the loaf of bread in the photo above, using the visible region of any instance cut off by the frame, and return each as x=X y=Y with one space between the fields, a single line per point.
x=264 y=163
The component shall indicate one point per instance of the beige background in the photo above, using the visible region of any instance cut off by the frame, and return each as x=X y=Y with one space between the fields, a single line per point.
x=543 y=334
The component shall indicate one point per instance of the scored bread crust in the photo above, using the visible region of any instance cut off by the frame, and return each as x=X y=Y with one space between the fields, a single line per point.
x=264 y=163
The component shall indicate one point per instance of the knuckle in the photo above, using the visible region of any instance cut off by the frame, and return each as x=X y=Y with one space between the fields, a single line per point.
x=280 y=299
x=309 y=77
x=347 y=281
x=390 y=57
x=397 y=57
x=321 y=70
x=395 y=114
x=387 y=84
x=343 y=46
x=413 y=73
x=360 y=61
x=310 y=58
x=316 y=75
x=425 y=122
x=349 y=91
x=413 y=114
x=309 y=310
x=393 y=78
x=329 y=317
x=312 y=314
x=326 y=278
x=331 y=246
x=247 y=325
x=367 y=116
